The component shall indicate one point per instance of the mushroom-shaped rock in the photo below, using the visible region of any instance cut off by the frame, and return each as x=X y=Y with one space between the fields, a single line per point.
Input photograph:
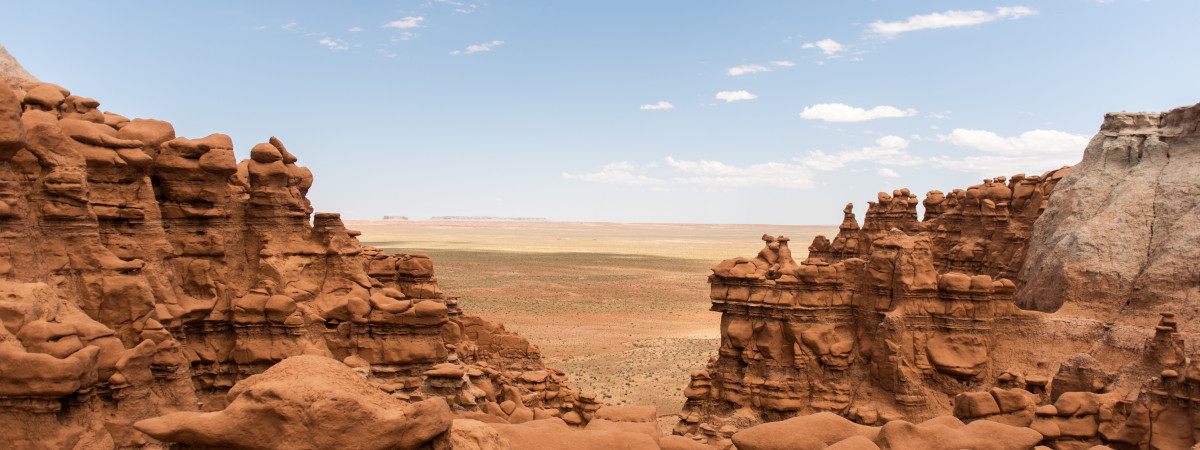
x=815 y=431
x=151 y=132
x=45 y=96
x=948 y=433
x=306 y=402
x=446 y=370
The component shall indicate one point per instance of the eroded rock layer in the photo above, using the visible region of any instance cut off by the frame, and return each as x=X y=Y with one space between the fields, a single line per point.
x=1121 y=237
x=912 y=319
x=143 y=273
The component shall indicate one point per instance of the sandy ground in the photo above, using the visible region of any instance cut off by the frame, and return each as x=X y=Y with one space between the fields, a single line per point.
x=622 y=308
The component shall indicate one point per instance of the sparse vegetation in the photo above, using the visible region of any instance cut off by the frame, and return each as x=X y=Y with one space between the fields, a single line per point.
x=622 y=308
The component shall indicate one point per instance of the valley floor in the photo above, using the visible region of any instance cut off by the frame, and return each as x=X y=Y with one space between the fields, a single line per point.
x=621 y=308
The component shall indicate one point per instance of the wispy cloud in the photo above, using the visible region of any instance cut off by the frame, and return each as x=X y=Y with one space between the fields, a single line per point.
x=619 y=173
x=733 y=96
x=748 y=68
x=404 y=36
x=355 y=29
x=405 y=23
x=756 y=68
x=828 y=46
x=1036 y=150
x=886 y=172
x=334 y=44
x=838 y=112
x=948 y=19
x=484 y=47
x=704 y=173
x=460 y=7
x=289 y=25
x=888 y=150
x=719 y=174
x=659 y=105
x=1035 y=141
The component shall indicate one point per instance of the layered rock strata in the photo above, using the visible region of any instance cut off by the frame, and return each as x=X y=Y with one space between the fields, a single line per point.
x=1121 y=238
x=910 y=305
x=895 y=319
x=144 y=273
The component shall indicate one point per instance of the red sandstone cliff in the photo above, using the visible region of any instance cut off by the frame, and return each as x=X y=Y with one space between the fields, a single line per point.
x=909 y=320
x=144 y=274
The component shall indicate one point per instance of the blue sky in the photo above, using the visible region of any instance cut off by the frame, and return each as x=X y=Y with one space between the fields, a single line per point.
x=626 y=111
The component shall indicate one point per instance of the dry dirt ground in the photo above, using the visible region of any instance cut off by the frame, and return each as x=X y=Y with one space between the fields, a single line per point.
x=621 y=308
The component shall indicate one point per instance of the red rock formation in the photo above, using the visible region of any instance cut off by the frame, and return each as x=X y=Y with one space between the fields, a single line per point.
x=827 y=430
x=908 y=319
x=874 y=322
x=307 y=402
x=145 y=274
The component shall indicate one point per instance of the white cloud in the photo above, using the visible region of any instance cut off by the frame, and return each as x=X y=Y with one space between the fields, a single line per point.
x=749 y=68
x=459 y=7
x=619 y=173
x=405 y=23
x=289 y=25
x=703 y=173
x=659 y=105
x=1035 y=141
x=948 y=19
x=484 y=47
x=886 y=172
x=1032 y=151
x=334 y=44
x=755 y=68
x=827 y=46
x=355 y=29
x=733 y=96
x=889 y=150
x=838 y=112
x=404 y=36
x=716 y=173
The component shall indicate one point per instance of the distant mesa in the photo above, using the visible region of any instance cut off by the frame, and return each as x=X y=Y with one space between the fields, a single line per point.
x=395 y=217
x=487 y=219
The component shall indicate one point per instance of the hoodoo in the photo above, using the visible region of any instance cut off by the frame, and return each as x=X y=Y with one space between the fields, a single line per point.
x=902 y=321
x=143 y=274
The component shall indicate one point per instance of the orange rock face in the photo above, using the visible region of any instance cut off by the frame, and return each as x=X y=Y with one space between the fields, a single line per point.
x=142 y=274
x=913 y=319
x=876 y=320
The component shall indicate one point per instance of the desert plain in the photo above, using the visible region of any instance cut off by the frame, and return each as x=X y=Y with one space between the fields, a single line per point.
x=622 y=308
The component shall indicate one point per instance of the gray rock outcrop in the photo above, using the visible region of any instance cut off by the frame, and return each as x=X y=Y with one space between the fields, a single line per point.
x=1118 y=239
x=11 y=72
